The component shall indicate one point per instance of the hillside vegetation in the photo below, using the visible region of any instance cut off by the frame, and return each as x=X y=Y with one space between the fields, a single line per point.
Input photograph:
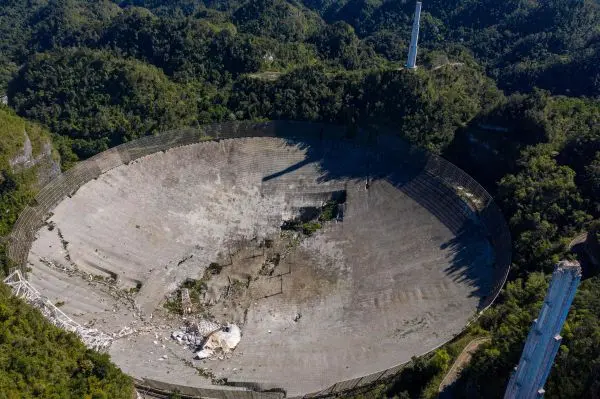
x=38 y=360
x=27 y=161
x=507 y=90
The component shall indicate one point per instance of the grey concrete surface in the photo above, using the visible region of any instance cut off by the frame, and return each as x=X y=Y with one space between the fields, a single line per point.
x=401 y=274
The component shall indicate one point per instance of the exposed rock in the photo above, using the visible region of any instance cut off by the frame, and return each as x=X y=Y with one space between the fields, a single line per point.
x=25 y=159
x=49 y=167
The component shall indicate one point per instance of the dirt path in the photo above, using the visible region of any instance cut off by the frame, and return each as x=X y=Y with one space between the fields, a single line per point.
x=581 y=238
x=461 y=361
x=448 y=64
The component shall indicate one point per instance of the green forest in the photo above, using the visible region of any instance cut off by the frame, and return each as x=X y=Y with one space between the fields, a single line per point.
x=507 y=90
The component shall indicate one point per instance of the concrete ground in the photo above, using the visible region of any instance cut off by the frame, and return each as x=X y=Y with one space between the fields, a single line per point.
x=390 y=281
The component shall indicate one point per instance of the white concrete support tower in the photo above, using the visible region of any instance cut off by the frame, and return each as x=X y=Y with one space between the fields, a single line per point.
x=412 y=51
x=543 y=341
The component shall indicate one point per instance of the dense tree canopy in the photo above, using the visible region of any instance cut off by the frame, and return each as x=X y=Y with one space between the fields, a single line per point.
x=61 y=89
x=277 y=19
x=425 y=107
x=548 y=199
x=40 y=360
x=523 y=44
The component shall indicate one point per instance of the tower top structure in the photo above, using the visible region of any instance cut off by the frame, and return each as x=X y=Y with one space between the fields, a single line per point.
x=411 y=63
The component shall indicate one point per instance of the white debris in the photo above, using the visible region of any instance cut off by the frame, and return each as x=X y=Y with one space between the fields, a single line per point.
x=212 y=338
x=204 y=354
x=223 y=340
x=125 y=331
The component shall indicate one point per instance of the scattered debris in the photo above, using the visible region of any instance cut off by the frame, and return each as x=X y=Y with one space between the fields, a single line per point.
x=223 y=340
x=194 y=333
x=125 y=331
x=21 y=288
x=189 y=339
x=208 y=338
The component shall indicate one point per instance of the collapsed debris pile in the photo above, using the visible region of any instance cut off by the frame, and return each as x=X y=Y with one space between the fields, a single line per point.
x=209 y=339
x=21 y=288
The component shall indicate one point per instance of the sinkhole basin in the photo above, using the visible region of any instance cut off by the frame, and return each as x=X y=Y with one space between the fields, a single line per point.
x=407 y=259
